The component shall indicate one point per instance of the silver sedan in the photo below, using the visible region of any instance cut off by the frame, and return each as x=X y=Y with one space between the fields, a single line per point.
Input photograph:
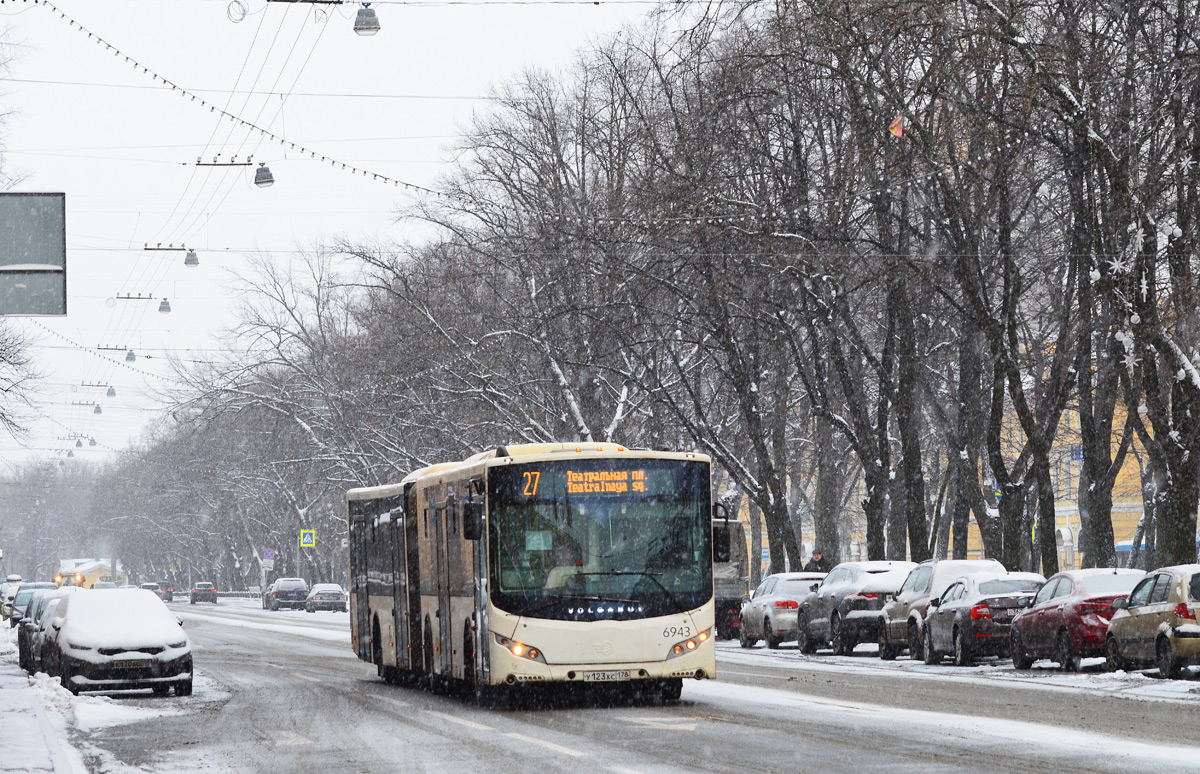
x=770 y=611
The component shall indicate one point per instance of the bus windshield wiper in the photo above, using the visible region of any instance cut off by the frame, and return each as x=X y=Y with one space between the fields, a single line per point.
x=645 y=574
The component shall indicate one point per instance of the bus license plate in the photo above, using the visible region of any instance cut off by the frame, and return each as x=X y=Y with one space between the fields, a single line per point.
x=609 y=676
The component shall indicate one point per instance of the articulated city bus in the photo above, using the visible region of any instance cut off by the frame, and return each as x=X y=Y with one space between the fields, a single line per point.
x=539 y=563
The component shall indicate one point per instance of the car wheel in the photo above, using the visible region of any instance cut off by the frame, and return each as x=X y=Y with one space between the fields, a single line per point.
x=843 y=642
x=1113 y=661
x=744 y=638
x=887 y=651
x=193 y=600
x=962 y=649
x=806 y=643
x=1067 y=658
x=183 y=688
x=928 y=652
x=915 y=645
x=770 y=636
x=64 y=677
x=274 y=606
x=1020 y=657
x=161 y=689
x=310 y=609
x=1169 y=665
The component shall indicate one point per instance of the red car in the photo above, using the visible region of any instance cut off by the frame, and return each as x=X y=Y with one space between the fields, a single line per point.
x=1068 y=618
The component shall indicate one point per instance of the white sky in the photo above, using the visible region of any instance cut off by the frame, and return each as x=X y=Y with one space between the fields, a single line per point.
x=83 y=120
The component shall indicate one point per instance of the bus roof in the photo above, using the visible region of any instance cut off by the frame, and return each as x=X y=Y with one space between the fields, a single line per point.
x=513 y=452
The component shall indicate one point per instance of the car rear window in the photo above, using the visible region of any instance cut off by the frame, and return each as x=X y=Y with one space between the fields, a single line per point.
x=1111 y=583
x=1006 y=586
x=797 y=586
x=292 y=585
x=1194 y=588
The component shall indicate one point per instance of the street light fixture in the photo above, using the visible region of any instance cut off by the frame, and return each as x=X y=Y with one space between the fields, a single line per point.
x=263 y=177
x=366 y=23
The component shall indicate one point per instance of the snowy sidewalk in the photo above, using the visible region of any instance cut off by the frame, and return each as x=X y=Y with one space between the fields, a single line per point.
x=30 y=739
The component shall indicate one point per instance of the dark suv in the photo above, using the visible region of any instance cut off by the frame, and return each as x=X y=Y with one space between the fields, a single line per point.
x=286 y=592
x=204 y=592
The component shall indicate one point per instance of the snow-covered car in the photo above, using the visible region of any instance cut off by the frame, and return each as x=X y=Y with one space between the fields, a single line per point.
x=24 y=593
x=152 y=586
x=1068 y=619
x=846 y=608
x=34 y=626
x=325 y=596
x=118 y=639
x=104 y=585
x=204 y=592
x=285 y=592
x=1159 y=622
x=974 y=614
x=903 y=621
x=28 y=623
x=8 y=590
x=770 y=611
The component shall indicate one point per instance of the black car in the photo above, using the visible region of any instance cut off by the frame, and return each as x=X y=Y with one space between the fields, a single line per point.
x=286 y=592
x=204 y=592
x=28 y=625
x=974 y=614
x=845 y=608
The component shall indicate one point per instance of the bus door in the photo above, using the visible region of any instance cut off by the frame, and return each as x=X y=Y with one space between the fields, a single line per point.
x=399 y=581
x=441 y=549
x=358 y=576
x=480 y=585
x=412 y=563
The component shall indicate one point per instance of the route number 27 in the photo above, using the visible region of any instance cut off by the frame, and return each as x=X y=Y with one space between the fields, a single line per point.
x=531 y=482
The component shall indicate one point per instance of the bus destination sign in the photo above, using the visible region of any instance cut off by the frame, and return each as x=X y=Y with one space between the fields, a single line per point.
x=606 y=481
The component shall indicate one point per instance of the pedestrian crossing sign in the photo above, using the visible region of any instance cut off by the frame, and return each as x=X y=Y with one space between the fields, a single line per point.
x=308 y=538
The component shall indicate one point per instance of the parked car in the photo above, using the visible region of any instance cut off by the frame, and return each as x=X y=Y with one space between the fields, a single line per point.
x=1068 y=619
x=118 y=639
x=204 y=592
x=104 y=585
x=903 y=621
x=285 y=592
x=770 y=611
x=8 y=590
x=1158 y=622
x=25 y=626
x=36 y=636
x=973 y=615
x=24 y=593
x=326 y=596
x=844 y=609
x=152 y=586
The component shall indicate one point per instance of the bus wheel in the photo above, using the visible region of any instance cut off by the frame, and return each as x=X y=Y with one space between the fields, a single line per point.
x=469 y=659
x=672 y=689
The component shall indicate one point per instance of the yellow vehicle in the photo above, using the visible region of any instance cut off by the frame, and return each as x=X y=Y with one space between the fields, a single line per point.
x=1158 y=622
x=540 y=563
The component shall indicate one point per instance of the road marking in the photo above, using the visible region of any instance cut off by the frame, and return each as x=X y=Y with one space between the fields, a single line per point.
x=291 y=739
x=623 y=770
x=397 y=702
x=305 y=677
x=662 y=724
x=548 y=745
x=468 y=723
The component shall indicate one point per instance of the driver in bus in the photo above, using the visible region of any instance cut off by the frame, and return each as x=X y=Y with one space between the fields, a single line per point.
x=568 y=562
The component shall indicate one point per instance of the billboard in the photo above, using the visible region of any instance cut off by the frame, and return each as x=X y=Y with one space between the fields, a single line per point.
x=33 y=254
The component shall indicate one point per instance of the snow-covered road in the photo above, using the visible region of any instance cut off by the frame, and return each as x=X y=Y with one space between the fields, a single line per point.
x=281 y=692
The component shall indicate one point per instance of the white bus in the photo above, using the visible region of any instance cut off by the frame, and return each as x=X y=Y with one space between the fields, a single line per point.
x=540 y=563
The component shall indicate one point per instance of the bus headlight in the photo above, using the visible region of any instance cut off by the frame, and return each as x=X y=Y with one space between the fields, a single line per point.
x=521 y=649
x=683 y=647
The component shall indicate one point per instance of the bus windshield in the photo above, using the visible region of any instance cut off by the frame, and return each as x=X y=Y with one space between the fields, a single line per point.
x=593 y=539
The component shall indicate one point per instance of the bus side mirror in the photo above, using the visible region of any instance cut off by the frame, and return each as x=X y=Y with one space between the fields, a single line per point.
x=472 y=513
x=721 y=543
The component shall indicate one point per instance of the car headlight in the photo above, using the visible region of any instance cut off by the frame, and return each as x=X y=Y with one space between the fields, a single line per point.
x=180 y=644
x=73 y=646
